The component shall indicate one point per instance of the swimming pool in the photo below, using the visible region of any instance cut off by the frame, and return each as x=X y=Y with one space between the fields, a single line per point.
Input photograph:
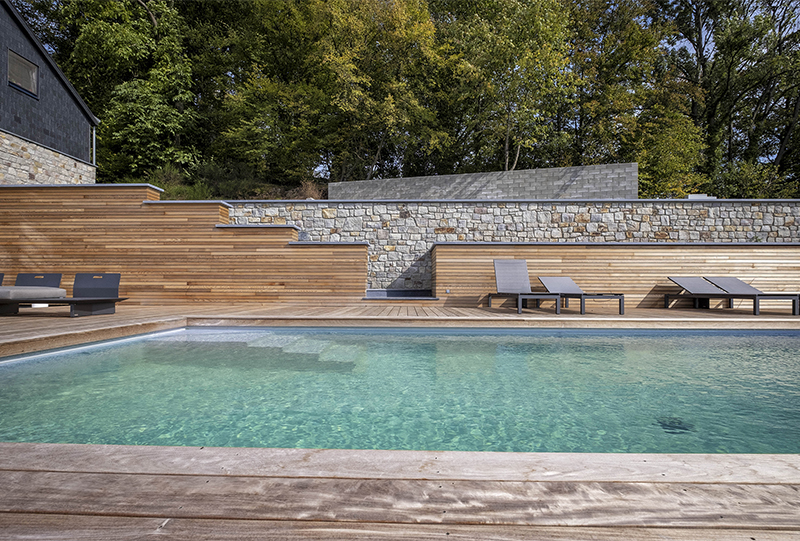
x=437 y=389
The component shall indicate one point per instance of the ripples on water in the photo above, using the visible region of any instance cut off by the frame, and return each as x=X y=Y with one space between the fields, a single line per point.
x=515 y=390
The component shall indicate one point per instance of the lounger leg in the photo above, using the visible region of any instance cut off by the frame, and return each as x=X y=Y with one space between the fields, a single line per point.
x=490 y=301
x=730 y=303
x=9 y=309
x=622 y=306
x=519 y=304
x=583 y=305
x=558 y=306
x=77 y=310
x=666 y=300
x=756 y=307
x=796 y=306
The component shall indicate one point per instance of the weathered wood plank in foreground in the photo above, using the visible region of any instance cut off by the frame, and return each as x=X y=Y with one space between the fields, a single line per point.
x=403 y=501
x=85 y=528
x=128 y=492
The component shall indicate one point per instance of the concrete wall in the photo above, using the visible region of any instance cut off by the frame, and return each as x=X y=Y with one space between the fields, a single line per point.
x=401 y=233
x=613 y=181
x=23 y=162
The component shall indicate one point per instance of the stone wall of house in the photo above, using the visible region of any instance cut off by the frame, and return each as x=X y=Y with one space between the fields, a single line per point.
x=607 y=181
x=23 y=162
x=401 y=234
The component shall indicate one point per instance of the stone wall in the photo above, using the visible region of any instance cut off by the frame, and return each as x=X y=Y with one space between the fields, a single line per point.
x=401 y=234
x=23 y=162
x=612 y=181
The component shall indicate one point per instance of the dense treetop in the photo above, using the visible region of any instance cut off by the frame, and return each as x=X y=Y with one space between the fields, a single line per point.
x=264 y=98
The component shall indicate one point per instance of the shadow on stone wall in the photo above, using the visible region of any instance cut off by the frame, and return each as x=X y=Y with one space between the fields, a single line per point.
x=417 y=275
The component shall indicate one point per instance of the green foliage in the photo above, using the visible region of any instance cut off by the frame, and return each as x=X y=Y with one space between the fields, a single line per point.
x=752 y=181
x=230 y=180
x=505 y=61
x=270 y=98
x=668 y=149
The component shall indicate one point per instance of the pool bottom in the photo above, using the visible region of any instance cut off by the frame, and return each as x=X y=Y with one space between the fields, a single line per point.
x=514 y=391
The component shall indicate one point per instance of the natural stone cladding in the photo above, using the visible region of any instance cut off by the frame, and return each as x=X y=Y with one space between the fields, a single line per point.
x=23 y=162
x=401 y=234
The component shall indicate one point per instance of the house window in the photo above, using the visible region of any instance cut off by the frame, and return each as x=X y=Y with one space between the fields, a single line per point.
x=23 y=74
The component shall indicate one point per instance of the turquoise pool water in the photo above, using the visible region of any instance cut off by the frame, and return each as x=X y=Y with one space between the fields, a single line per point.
x=472 y=390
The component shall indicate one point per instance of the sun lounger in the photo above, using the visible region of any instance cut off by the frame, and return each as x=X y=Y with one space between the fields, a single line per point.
x=735 y=286
x=701 y=290
x=92 y=293
x=567 y=289
x=512 y=280
x=698 y=289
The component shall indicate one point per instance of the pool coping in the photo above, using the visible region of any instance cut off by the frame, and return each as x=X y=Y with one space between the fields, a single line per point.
x=772 y=469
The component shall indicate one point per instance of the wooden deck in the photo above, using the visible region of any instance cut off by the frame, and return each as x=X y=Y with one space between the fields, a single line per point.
x=48 y=328
x=118 y=492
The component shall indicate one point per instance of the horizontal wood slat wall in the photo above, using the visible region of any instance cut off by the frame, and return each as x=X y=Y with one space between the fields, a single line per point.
x=638 y=270
x=169 y=252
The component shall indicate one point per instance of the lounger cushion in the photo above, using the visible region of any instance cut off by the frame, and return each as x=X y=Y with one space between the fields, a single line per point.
x=31 y=292
x=511 y=276
x=561 y=284
x=733 y=285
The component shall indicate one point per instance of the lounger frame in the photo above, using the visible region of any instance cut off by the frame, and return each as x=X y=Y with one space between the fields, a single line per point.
x=702 y=292
x=567 y=289
x=512 y=280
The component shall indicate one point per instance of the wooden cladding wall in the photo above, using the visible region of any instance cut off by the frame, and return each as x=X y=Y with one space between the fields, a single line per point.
x=169 y=252
x=639 y=271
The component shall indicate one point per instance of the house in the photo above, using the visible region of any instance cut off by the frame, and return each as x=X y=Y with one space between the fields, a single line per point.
x=46 y=129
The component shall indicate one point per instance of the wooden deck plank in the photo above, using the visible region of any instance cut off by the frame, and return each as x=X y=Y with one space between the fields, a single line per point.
x=92 y=528
x=419 y=465
x=403 y=501
x=38 y=329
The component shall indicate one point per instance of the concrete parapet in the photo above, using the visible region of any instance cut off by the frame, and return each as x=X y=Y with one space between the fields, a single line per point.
x=611 y=181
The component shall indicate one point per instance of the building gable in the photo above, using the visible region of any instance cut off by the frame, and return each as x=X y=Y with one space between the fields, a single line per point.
x=47 y=111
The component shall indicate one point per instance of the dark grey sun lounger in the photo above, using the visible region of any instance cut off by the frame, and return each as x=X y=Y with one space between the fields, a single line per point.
x=93 y=293
x=701 y=290
x=512 y=280
x=566 y=288
x=743 y=290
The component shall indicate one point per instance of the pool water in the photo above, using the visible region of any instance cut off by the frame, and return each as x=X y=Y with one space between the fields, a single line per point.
x=470 y=390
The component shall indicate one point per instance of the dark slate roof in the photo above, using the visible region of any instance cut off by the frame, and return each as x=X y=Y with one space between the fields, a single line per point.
x=60 y=74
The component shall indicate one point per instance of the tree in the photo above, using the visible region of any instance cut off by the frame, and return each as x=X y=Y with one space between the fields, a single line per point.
x=507 y=63
x=668 y=148
x=346 y=102
x=743 y=57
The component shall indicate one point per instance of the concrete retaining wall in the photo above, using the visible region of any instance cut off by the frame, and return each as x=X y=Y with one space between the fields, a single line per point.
x=613 y=181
